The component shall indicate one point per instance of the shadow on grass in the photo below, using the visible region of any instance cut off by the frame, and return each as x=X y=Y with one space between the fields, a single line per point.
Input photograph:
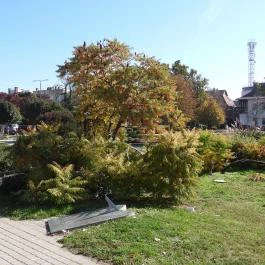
x=10 y=207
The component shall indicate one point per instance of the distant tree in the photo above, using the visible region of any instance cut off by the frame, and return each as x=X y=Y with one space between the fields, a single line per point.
x=9 y=113
x=3 y=96
x=199 y=83
x=54 y=117
x=33 y=107
x=115 y=86
x=180 y=69
x=210 y=113
x=16 y=99
x=187 y=101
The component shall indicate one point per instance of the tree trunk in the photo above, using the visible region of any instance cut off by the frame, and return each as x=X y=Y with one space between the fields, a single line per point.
x=85 y=127
x=118 y=126
x=65 y=94
x=109 y=126
x=109 y=129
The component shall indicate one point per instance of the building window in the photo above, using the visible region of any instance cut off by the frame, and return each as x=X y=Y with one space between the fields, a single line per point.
x=263 y=121
x=243 y=105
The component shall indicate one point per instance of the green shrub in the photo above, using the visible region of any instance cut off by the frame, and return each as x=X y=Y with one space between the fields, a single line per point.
x=245 y=147
x=257 y=135
x=55 y=117
x=215 y=151
x=34 y=151
x=171 y=166
x=59 y=187
x=16 y=181
x=111 y=168
x=9 y=113
x=106 y=166
x=5 y=159
x=64 y=118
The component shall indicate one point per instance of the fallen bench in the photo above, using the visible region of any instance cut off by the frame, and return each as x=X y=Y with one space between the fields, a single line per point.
x=87 y=218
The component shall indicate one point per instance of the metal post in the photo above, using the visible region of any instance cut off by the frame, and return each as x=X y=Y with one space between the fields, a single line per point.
x=40 y=80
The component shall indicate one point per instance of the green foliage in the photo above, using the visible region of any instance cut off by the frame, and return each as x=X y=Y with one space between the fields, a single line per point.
x=33 y=152
x=111 y=169
x=103 y=164
x=57 y=117
x=215 y=151
x=59 y=187
x=110 y=166
x=63 y=118
x=32 y=107
x=5 y=159
x=171 y=166
x=255 y=134
x=37 y=149
x=246 y=147
x=9 y=113
x=198 y=83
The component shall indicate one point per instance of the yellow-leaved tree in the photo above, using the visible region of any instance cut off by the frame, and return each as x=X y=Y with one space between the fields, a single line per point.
x=115 y=86
x=210 y=113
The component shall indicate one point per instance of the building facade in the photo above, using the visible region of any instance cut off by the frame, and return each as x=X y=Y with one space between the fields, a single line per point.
x=252 y=106
x=54 y=93
x=15 y=90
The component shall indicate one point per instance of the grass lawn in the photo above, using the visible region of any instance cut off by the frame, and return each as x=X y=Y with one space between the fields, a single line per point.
x=227 y=228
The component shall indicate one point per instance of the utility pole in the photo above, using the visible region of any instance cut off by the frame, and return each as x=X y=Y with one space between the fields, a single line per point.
x=40 y=81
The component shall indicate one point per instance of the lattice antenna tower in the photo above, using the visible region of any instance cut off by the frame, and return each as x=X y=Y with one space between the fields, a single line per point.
x=251 y=62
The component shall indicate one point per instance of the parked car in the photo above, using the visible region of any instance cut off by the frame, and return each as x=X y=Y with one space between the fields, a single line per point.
x=11 y=129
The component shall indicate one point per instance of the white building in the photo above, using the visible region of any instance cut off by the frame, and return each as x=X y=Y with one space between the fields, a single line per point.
x=252 y=105
x=55 y=93
x=15 y=90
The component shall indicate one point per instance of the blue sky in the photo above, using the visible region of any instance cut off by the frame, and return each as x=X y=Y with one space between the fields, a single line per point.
x=208 y=35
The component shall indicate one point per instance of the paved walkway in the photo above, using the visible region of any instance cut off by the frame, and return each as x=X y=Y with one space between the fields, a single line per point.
x=26 y=242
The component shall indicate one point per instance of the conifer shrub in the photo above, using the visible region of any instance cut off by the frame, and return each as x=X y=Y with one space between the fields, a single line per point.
x=104 y=166
x=60 y=186
x=215 y=151
x=5 y=160
x=33 y=152
x=170 y=167
x=112 y=169
x=247 y=147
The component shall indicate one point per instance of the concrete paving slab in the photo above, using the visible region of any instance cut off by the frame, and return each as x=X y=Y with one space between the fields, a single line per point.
x=25 y=242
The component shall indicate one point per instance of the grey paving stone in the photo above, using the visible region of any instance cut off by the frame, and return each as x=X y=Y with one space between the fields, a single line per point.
x=26 y=242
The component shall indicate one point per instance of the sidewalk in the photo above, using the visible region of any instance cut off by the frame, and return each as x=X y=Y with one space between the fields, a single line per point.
x=26 y=242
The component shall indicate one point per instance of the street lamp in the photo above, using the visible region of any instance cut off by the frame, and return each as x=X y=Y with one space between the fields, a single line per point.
x=40 y=80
